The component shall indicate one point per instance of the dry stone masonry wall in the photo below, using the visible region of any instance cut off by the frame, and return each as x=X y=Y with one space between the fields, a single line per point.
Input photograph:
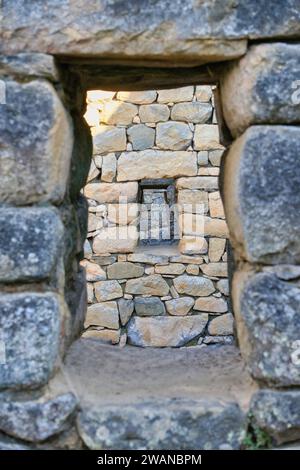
x=137 y=292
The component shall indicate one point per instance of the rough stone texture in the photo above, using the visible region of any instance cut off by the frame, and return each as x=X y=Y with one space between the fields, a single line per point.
x=112 y=192
x=154 y=113
x=126 y=308
x=94 y=272
x=109 y=139
x=118 y=113
x=145 y=307
x=173 y=135
x=206 y=137
x=172 y=268
x=216 y=249
x=137 y=97
x=207 y=183
x=124 y=270
x=175 y=95
x=197 y=225
x=119 y=239
x=107 y=290
x=36 y=421
x=215 y=269
x=180 y=306
x=165 y=424
x=30 y=329
x=203 y=93
x=123 y=214
x=222 y=325
x=103 y=335
x=36 y=140
x=211 y=305
x=215 y=205
x=193 y=201
x=29 y=65
x=190 y=285
x=277 y=413
x=141 y=136
x=149 y=285
x=135 y=165
x=262 y=180
x=103 y=314
x=31 y=240
x=267 y=315
x=223 y=286
x=195 y=112
x=262 y=87
x=109 y=167
x=192 y=245
x=148 y=258
x=163 y=331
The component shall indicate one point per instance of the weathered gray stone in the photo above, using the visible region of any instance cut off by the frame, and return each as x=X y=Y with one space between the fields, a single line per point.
x=154 y=113
x=267 y=317
x=36 y=140
x=148 y=306
x=165 y=331
x=262 y=87
x=137 y=97
x=124 y=270
x=262 y=197
x=112 y=192
x=182 y=423
x=30 y=326
x=147 y=258
x=277 y=413
x=141 y=136
x=31 y=240
x=126 y=308
x=29 y=65
x=149 y=285
x=180 y=306
x=109 y=139
x=103 y=314
x=195 y=112
x=36 y=421
x=221 y=340
x=221 y=326
x=135 y=165
x=176 y=95
x=190 y=285
x=107 y=290
x=173 y=135
x=223 y=286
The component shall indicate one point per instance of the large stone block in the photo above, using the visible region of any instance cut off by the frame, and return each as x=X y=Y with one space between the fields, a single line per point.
x=165 y=331
x=193 y=201
x=262 y=87
x=207 y=137
x=112 y=192
x=277 y=413
x=192 y=285
x=148 y=306
x=109 y=139
x=262 y=194
x=141 y=136
x=29 y=65
x=36 y=421
x=195 y=112
x=119 y=239
x=30 y=325
x=147 y=285
x=154 y=113
x=137 y=97
x=208 y=183
x=36 y=140
x=176 y=95
x=118 y=113
x=124 y=270
x=31 y=241
x=156 y=164
x=267 y=317
x=104 y=314
x=173 y=135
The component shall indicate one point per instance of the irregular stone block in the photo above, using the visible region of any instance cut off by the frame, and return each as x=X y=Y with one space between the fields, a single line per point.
x=262 y=196
x=207 y=137
x=215 y=269
x=148 y=306
x=29 y=65
x=180 y=306
x=215 y=157
x=124 y=270
x=116 y=113
x=126 y=308
x=36 y=141
x=149 y=285
x=173 y=135
x=207 y=183
x=30 y=325
x=112 y=192
x=215 y=205
x=94 y=272
x=109 y=139
x=36 y=421
x=154 y=113
x=186 y=259
x=221 y=326
x=211 y=304
x=123 y=214
x=216 y=249
x=176 y=95
x=148 y=258
x=201 y=225
x=223 y=286
x=109 y=167
x=104 y=335
x=183 y=424
x=193 y=201
x=195 y=112
x=107 y=290
x=262 y=87
x=267 y=316
x=192 y=246
x=164 y=164
x=173 y=268
x=141 y=137
x=120 y=239
x=31 y=241
x=137 y=97
x=165 y=331
x=220 y=340
x=190 y=285
x=203 y=93
x=277 y=413
x=103 y=314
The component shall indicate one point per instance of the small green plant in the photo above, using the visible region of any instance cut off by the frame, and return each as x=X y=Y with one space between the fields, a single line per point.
x=256 y=438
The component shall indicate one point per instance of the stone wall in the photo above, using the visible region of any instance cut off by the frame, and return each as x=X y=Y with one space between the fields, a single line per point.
x=156 y=294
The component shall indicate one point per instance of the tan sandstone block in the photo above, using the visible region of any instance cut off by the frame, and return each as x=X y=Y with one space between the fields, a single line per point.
x=222 y=325
x=149 y=285
x=103 y=314
x=152 y=113
x=137 y=97
x=207 y=137
x=112 y=192
x=109 y=167
x=119 y=239
x=173 y=268
x=109 y=139
x=192 y=245
x=176 y=95
x=216 y=249
x=180 y=306
x=215 y=205
x=116 y=112
x=215 y=269
x=94 y=272
x=211 y=305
